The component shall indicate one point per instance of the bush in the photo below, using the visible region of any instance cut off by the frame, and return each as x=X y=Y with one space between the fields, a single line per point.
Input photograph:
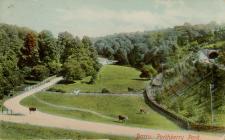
x=130 y=89
x=148 y=71
x=1 y=96
x=203 y=118
x=56 y=90
x=54 y=67
x=175 y=107
x=72 y=71
x=159 y=98
x=26 y=71
x=93 y=78
x=104 y=90
x=40 y=72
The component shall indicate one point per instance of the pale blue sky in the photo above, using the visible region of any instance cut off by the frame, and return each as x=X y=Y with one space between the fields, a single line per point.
x=101 y=17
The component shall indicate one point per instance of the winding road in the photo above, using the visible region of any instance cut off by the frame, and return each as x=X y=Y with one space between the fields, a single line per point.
x=43 y=119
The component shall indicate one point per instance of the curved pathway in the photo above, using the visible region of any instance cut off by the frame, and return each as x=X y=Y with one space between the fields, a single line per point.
x=48 y=120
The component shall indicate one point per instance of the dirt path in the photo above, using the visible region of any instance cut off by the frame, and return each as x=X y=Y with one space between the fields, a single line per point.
x=44 y=119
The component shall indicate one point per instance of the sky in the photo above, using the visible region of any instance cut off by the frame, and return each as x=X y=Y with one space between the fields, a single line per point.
x=102 y=17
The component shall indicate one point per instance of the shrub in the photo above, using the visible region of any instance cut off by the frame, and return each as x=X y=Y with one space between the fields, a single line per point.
x=203 y=118
x=175 y=107
x=93 y=78
x=130 y=89
x=159 y=98
x=72 y=71
x=40 y=72
x=26 y=71
x=54 y=67
x=1 y=96
x=56 y=90
x=148 y=71
x=104 y=90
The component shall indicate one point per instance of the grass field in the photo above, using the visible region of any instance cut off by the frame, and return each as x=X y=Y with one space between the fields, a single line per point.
x=115 y=78
x=109 y=105
x=25 y=131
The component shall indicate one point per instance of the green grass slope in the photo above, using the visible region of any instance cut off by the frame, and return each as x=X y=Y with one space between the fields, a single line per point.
x=115 y=78
x=109 y=105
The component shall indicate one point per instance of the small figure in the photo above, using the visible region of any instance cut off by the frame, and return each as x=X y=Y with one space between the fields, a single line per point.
x=142 y=110
x=122 y=118
x=32 y=109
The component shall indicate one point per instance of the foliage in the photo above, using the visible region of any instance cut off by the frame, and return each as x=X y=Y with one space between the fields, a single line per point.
x=10 y=45
x=72 y=70
x=104 y=90
x=79 y=59
x=155 y=47
x=148 y=71
x=54 y=67
x=93 y=79
x=221 y=58
x=40 y=72
x=29 y=52
x=47 y=47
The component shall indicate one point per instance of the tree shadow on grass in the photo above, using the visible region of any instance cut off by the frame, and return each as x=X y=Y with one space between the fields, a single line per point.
x=141 y=79
x=117 y=121
x=66 y=82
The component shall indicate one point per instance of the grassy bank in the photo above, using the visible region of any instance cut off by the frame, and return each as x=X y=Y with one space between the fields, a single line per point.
x=24 y=131
x=116 y=79
x=110 y=105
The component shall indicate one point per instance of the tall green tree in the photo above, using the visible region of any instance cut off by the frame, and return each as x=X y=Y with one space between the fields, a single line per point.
x=47 y=47
x=10 y=44
x=64 y=42
x=29 y=53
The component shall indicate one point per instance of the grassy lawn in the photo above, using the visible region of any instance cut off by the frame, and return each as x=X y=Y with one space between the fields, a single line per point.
x=25 y=131
x=115 y=78
x=109 y=105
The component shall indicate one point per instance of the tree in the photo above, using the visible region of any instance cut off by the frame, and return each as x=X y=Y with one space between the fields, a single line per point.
x=148 y=71
x=86 y=41
x=29 y=53
x=10 y=44
x=79 y=58
x=72 y=70
x=121 y=56
x=54 y=67
x=40 y=72
x=64 y=43
x=47 y=47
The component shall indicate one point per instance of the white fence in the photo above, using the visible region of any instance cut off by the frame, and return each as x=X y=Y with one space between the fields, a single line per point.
x=39 y=84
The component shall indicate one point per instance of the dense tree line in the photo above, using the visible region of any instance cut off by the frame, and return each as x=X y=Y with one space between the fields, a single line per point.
x=155 y=47
x=27 y=54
